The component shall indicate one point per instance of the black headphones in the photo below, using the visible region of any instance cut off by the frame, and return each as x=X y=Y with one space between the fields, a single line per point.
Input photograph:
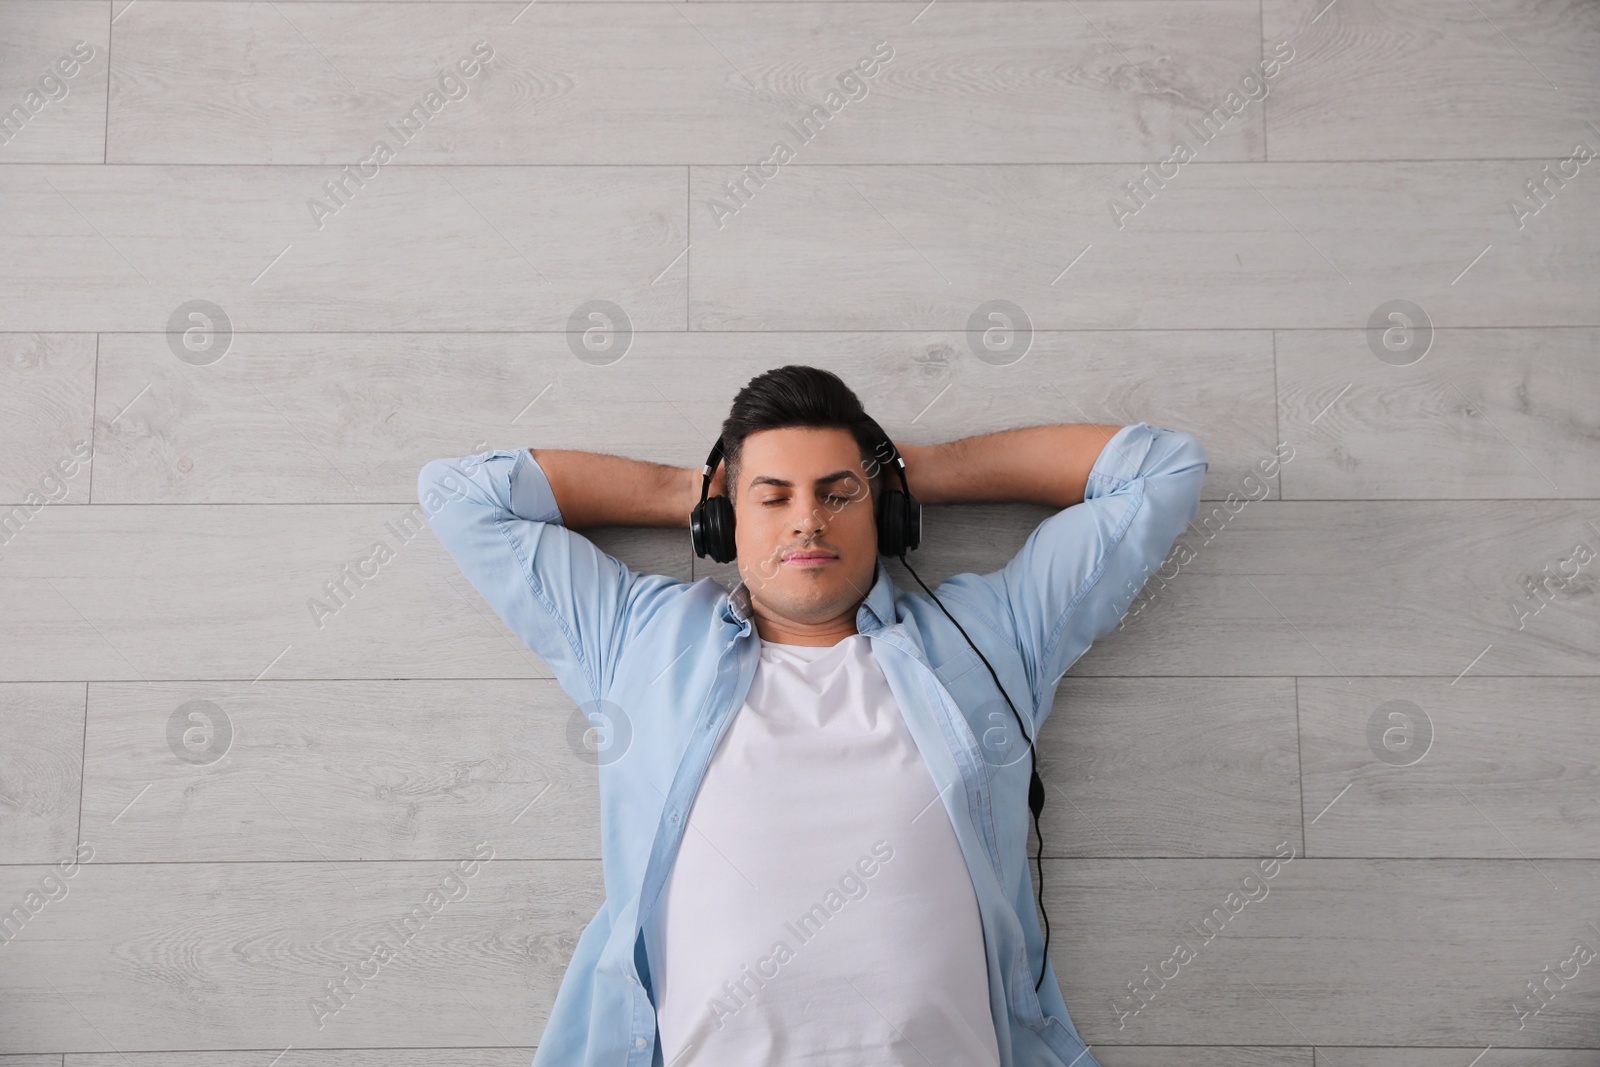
x=899 y=519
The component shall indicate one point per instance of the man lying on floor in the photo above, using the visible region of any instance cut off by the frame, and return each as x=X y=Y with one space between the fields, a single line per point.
x=815 y=789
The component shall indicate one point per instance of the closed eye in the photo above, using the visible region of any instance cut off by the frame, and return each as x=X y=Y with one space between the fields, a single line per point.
x=783 y=500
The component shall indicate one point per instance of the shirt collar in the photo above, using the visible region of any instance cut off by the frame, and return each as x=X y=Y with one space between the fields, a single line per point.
x=877 y=607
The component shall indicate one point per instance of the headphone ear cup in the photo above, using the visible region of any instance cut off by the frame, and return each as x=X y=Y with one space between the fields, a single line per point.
x=891 y=523
x=697 y=529
x=717 y=523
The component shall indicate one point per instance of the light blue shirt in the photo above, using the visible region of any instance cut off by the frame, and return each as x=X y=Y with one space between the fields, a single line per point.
x=668 y=662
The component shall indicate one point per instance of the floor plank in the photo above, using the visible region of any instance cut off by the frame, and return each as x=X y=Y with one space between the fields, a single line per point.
x=47 y=399
x=922 y=247
x=1480 y=414
x=1372 y=80
x=1164 y=767
x=477 y=1056
x=127 y=248
x=1452 y=1057
x=1344 y=589
x=276 y=420
x=1084 y=82
x=1427 y=767
x=397 y=771
x=233 y=956
x=1161 y=1055
x=53 y=66
x=41 y=770
x=123 y=592
x=1328 y=952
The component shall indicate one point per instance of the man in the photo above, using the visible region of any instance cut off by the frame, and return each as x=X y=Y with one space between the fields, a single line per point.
x=813 y=803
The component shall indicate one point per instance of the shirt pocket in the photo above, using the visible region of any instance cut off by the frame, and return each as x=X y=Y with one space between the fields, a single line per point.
x=985 y=712
x=956 y=665
x=999 y=738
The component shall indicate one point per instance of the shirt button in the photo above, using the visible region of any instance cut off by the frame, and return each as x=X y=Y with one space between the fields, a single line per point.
x=639 y=1042
x=632 y=980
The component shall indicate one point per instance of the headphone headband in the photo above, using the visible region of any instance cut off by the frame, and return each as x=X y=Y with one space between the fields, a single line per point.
x=882 y=440
x=710 y=468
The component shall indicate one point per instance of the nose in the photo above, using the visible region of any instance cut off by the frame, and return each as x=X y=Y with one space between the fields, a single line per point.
x=812 y=521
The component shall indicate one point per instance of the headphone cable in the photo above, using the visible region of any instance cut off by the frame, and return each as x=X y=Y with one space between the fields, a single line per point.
x=1035 y=784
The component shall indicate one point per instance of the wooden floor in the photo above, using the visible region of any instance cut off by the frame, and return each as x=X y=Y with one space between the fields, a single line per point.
x=1381 y=661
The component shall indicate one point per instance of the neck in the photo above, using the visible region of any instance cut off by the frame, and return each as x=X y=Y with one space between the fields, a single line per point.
x=788 y=632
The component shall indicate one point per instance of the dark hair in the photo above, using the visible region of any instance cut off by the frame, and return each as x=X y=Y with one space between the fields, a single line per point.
x=795 y=395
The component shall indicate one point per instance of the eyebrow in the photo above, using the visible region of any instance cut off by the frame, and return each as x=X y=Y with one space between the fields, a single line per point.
x=767 y=479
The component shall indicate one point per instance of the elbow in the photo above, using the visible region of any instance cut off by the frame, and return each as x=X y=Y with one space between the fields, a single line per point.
x=1186 y=455
x=1174 y=455
x=439 y=482
x=428 y=477
x=1180 y=463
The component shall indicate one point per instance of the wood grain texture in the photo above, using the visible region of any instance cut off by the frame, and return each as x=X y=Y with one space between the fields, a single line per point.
x=1343 y=589
x=305 y=418
x=338 y=771
x=1170 y=767
x=1161 y=1055
x=41 y=770
x=1487 y=414
x=922 y=247
x=231 y=955
x=1432 y=952
x=476 y=1056
x=1430 y=79
x=46 y=408
x=1482 y=767
x=53 y=65
x=996 y=82
x=1440 y=1057
x=420 y=248
x=124 y=592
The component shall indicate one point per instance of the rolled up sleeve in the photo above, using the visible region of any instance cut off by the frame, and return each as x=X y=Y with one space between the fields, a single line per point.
x=563 y=597
x=1079 y=570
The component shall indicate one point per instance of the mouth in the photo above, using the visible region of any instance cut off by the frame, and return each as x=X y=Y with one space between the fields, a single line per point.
x=809 y=559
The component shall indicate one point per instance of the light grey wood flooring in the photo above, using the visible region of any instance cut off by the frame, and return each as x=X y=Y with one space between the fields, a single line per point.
x=1423 y=553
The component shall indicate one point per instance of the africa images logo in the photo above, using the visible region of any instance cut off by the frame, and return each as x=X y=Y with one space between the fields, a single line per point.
x=51 y=87
x=451 y=87
x=852 y=82
x=354 y=978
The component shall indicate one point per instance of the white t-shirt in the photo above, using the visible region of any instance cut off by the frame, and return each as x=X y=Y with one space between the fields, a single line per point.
x=819 y=911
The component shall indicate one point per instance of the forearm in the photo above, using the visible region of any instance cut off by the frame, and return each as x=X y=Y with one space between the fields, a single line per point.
x=1047 y=465
x=595 y=489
